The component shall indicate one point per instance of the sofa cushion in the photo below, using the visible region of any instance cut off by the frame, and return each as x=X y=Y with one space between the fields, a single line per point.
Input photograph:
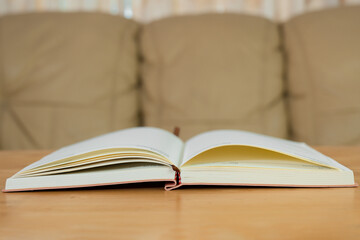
x=324 y=76
x=213 y=71
x=65 y=78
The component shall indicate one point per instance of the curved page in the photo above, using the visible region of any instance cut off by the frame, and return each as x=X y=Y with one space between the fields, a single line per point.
x=217 y=138
x=147 y=138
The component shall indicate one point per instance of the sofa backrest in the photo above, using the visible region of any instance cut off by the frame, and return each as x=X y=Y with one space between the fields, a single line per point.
x=68 y=77
x=323 y=62
x=213 y=71
x=65 y=78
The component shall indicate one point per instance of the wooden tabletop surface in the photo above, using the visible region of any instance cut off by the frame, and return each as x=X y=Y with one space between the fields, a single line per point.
x=148 y=212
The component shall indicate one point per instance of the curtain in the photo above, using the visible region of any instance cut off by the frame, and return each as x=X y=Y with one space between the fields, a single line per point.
x=149 y=10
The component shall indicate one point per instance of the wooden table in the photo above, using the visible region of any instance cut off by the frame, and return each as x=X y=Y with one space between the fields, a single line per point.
x=149 y=212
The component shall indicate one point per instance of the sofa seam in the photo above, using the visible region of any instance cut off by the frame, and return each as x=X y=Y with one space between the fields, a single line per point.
x=118 y=60
x=2 y=83
x=311 y=101
x=263 y=79
x=284 y=80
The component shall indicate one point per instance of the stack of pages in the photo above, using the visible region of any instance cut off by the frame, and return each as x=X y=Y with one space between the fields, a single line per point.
x=146 y=154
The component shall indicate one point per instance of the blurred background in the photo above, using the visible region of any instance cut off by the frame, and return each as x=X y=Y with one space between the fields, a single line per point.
x=74 y=69
x=149 y=10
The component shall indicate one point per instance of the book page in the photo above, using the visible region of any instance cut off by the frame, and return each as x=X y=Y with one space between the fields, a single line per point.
x=217 y=138
x=101 y=176
x=152 y=139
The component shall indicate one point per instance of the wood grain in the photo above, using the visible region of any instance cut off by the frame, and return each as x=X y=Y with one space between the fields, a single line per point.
x=148 y=212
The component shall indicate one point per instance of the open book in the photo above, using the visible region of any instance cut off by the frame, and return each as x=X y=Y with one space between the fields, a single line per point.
x=146 y=154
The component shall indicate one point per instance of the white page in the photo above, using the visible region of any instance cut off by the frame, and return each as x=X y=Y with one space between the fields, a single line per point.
x=97 y=176
x=217 y=138
x=148 y=138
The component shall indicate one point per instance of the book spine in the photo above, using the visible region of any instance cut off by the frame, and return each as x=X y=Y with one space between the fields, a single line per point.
x=178 y=178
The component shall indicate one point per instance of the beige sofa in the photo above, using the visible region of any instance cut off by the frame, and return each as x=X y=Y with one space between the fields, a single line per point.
x=68 y=77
